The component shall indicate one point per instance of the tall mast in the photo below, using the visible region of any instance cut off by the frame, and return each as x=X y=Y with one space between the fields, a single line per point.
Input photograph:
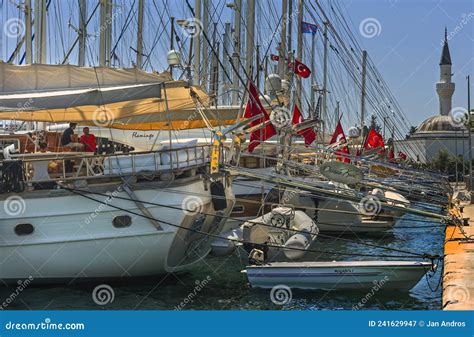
x=313 y=77
x=82 y=32
x=362 y=97
x=105 y=32
x=197 y=43
x=290 y=24
x=249 y=42
x=257 y=65
x=141 y=4
x=325 y=79
x=214 y=61
x=171 y=41
x=28 y=35
x=40 y=31
x=225 y=59
x=102 y=23
x=108 y=29
x=299 y=51
x=283 y=53
x=205 y=45
x=236 y=54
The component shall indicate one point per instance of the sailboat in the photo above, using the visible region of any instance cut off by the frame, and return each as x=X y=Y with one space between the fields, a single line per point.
x=112 y=215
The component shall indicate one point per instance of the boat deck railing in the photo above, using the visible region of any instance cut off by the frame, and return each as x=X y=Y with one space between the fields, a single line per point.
x=50 y=166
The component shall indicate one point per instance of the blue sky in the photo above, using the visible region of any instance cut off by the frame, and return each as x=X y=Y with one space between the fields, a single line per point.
x=407 y=50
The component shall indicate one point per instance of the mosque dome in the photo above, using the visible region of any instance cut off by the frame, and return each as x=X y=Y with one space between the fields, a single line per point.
x=439 y=124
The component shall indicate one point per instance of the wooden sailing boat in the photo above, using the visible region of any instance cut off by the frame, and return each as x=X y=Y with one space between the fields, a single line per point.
x=115 y=215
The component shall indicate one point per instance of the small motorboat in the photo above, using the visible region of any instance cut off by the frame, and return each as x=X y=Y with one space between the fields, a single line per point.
x=283 y=230
x=343 y=275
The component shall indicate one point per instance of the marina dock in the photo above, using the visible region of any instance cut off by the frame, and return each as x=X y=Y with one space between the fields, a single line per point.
x=458 y=288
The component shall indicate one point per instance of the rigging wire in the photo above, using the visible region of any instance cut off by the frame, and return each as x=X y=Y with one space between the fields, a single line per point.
x=82 y=193
x=409 y=254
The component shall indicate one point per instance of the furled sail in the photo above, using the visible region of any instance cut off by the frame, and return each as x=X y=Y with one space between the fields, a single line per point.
x=116 y=98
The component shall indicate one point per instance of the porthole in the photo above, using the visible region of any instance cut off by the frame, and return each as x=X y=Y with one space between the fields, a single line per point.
x=122 y=221
x=24 y=229
x=238 y=209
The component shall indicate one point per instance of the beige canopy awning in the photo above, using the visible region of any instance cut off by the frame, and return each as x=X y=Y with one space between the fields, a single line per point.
x=125 y=99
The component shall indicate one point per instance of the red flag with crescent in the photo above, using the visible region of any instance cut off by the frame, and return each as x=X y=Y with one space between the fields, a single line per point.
x=339 y=137
x=300 y=68
x=253 y=108
x=374 y=140
x=308 y=134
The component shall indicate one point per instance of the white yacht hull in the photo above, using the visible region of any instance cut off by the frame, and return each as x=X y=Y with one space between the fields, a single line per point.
x=74 y=237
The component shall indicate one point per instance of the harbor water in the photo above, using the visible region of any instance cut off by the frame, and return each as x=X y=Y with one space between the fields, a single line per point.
x=217 y=283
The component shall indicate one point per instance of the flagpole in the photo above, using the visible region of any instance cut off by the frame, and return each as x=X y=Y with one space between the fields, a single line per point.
x=313 y=77
x=236 y=53
x=282 y=50
x=250 y=38
x=290 y=27
x=299 y=51
x=362 y=98
x=325 y=79
x=205 y=45
x=197 y=44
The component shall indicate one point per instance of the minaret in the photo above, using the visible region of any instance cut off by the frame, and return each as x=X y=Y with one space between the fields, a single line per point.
x=445 y=88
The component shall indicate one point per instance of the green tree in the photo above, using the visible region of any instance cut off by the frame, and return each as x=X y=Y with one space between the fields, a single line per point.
x=411 y=131
x=374 y=124
x=446 y=164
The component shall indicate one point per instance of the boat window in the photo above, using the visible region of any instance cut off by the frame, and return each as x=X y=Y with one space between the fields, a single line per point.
x=24 y=229
x=122 y=221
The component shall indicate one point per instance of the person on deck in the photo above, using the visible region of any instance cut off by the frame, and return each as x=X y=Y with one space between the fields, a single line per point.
x=66 y=140
x=66 y=137
x=88 y=139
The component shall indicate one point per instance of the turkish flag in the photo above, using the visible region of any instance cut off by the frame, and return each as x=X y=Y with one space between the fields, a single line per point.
x=300 y=69
x=339 y=137
x=253 y=108
x=274 y=57
x=374 y=140
x=308 y=134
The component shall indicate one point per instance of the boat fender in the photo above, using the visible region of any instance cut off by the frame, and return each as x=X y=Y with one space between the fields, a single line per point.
x=219 y=200
x=298 y=243
x=294 y=244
